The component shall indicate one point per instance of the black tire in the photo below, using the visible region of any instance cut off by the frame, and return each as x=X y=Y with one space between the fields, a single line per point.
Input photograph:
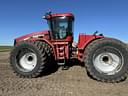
x=48 y=49
x=105 y=51
x=50 y=56
x=33 y=47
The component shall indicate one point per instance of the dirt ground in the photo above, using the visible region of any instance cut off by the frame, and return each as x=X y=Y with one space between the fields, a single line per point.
x=72 y=82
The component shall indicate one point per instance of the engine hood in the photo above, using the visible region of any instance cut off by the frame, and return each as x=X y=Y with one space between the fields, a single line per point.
x=40 y=34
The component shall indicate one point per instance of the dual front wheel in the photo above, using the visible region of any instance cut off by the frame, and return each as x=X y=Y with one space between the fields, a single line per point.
x=30 y=58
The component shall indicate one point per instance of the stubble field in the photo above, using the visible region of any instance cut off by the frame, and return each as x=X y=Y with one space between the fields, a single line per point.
x=72 y=82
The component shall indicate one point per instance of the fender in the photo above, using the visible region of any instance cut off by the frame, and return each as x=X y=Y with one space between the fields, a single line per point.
x=83 y=42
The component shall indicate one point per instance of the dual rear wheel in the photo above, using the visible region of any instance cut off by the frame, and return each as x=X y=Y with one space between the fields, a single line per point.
x=106 y=60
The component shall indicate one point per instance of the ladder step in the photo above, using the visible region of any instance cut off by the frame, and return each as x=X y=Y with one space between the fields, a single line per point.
x=61 y=54
x=61 y=57
x=61 y=63
x=60 y=49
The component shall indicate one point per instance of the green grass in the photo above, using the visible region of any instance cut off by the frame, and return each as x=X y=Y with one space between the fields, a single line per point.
x=5 y=48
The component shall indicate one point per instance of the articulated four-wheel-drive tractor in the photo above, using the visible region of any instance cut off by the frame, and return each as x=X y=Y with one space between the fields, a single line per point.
x=105 y=59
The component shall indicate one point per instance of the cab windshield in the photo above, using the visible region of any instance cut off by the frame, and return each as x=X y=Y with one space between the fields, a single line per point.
x=61 y=27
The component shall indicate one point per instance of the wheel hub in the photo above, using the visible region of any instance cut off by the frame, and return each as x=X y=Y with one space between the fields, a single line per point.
x=108 y=63
x=28 y=61
x=106 y=59
x=30 y=58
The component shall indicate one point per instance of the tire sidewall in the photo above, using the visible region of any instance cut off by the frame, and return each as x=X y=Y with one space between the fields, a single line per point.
x=108 y=43
x=15 y=52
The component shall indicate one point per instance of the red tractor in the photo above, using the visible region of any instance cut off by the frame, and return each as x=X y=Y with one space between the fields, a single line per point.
x=105 y=59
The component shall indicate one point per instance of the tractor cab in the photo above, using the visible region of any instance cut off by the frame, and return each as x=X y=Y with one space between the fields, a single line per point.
x=60 y=25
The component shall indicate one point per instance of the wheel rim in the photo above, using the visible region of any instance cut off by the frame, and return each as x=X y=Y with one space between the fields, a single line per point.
x=108 y=63
x=28 y=61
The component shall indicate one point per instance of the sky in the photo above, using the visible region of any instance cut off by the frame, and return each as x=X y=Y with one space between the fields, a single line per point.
x=20 y=17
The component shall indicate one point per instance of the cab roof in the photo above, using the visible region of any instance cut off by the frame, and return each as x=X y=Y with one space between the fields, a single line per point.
x=49 y=16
